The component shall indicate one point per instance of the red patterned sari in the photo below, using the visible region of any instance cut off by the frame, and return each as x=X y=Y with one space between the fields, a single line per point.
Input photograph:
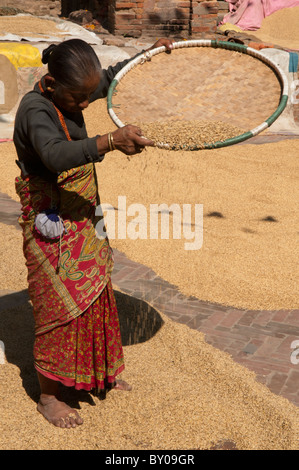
x=77 y=328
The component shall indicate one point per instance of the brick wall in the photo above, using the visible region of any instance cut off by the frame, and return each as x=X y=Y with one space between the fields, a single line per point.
x=204 y=17
x=179 y=18
x=134 y=18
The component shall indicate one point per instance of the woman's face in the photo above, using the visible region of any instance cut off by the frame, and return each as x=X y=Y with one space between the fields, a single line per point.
x=77 y=99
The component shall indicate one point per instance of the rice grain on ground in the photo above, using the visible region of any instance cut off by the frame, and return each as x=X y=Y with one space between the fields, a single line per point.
x=281 y=28
x=26 y=24
x=186 y=395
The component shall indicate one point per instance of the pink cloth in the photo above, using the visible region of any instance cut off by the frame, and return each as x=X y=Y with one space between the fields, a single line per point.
x=249 y=14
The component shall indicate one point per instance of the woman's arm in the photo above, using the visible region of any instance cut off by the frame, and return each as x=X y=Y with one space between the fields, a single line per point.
x=38 y=132
x=48 y=140
x=109 y=74
x=127 y=139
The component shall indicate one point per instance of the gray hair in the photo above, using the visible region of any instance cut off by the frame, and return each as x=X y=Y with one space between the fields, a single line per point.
x=71 y=62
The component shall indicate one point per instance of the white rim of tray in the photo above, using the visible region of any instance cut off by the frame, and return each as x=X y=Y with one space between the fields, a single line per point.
x=214 y=44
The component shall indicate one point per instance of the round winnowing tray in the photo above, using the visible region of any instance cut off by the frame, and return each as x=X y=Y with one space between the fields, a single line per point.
x=220 y=93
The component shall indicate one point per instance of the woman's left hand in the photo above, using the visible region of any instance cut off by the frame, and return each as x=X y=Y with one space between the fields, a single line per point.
x=162 y=42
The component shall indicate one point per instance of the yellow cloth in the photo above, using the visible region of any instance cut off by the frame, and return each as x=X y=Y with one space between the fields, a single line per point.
x=229 y=27
x=21 y=55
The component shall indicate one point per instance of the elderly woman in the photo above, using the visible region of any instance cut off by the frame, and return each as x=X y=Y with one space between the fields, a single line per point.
x=77 y=335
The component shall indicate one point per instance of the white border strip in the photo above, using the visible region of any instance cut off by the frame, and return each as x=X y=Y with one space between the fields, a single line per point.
x=202 y=43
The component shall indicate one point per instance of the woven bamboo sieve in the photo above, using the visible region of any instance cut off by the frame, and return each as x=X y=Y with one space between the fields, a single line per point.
x=200 y=81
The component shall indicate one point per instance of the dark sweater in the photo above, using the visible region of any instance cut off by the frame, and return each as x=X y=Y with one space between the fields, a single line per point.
x=40 y=141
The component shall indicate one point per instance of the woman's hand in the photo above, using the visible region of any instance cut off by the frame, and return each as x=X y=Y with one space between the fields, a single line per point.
x=162 y=42
x=129 y=140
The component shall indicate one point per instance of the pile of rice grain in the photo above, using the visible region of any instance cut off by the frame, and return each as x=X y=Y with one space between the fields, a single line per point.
x=26 y=24
x=186 y=395
x=178 y=135
x=281 y=28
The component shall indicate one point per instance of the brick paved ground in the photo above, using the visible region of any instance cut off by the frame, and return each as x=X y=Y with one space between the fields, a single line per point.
x=260 y=340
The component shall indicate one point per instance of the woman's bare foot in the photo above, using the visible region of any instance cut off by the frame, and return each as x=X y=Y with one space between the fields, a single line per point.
x=58 y=412
x=122 y=385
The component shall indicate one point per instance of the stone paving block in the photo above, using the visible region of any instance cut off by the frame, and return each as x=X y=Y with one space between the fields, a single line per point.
x=219 y=332
x=122 y=259
x=257 y=342
x=219 y=342
x=184 y=319
x=276 y=381
x=287 y=329
x=292 y=382
x=293 y=398
x=269 y=346
x=121 y=275
x=129 y=284
x=252 y=332
x=196 y=322
x=293 y=317
x=238 y=345
x=173 y=307
x=285 y=346
x=263 y=318
x=149 y=296
x=166 y=295
x=285 y=361
x=173 y=315
x=195 y=308
x=209 y=307
x=250 y=348
x=127 y=291
x=268 y=364
x=259 y=368
x=141 y=272
x=280 y=316
x=213 y=320
x=247 y=318
x=277 y=360
x=231 y=318
x=261 y=379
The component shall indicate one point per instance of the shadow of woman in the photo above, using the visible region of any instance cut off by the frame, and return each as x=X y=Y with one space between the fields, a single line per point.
x=138 y=323
x=17 y=334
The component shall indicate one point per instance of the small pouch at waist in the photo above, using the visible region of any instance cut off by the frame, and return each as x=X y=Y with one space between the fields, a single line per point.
x=49 y=224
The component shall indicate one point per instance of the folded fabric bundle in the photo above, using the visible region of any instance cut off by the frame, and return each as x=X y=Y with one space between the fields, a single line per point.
x=249 y=14
x=49 y=224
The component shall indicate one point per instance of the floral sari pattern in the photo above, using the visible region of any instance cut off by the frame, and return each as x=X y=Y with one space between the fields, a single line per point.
x=76 y=323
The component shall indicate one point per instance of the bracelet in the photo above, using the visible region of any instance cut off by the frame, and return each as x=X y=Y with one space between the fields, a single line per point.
x=112 y=141
x=109 y=142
